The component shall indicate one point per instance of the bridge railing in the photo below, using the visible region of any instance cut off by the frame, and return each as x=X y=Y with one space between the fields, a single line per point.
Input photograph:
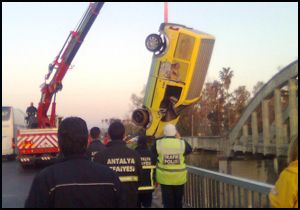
x=209 y=189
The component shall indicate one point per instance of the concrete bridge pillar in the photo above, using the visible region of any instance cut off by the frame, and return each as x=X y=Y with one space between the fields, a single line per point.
x=254 y=129
x=293 y=115
x=245 y=138
x=266 y=126
x=280 y=151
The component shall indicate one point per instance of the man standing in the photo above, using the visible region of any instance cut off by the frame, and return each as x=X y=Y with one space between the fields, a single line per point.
x=31 y=110
x=75 y=182
x=124 y=161
x=31 y=116
x=171 y=170
x=96 y=145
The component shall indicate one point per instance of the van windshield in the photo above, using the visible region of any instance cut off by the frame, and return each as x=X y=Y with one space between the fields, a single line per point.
x=6 y=113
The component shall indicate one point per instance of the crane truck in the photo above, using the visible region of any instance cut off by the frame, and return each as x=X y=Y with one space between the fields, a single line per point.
x=41 y=143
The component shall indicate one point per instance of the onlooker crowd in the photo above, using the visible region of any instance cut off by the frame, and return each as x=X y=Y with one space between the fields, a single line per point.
x=115 y=176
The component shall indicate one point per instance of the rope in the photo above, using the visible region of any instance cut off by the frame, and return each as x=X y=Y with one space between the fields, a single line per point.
x=166 y=10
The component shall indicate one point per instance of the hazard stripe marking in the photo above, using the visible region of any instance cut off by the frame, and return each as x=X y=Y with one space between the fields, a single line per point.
x=38 y=141
x=53 y=140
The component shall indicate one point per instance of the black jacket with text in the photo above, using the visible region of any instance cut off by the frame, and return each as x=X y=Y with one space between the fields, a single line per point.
x=148 y=174
x=127 y=164
x=95 y=147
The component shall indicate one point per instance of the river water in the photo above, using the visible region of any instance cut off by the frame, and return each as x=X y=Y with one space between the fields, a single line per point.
x=256 y=168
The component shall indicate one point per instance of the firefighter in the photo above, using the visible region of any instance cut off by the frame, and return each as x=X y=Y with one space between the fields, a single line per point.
x=96 y=145
x=75 y=182
x=171 y=172
x=147 y=180
x=124 y=161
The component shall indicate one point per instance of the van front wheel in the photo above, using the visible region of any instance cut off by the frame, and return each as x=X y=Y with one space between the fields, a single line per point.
x=153 y=42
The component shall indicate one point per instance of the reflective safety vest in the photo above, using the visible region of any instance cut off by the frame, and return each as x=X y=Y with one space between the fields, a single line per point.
x=150 y=187
x=171 y=169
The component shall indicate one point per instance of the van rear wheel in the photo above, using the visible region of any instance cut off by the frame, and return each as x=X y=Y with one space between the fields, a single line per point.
x=24 y=166
x=140 y=117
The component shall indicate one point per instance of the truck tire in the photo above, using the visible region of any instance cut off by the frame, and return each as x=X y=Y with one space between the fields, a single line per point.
x=25 y=166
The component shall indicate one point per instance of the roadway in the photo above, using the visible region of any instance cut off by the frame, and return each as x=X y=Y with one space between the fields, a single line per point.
x=16 y=183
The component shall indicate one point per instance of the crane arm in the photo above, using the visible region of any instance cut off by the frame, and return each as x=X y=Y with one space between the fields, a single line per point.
x=62 y=63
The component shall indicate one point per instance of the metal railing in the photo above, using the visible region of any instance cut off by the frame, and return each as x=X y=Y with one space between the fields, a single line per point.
x=209 y=189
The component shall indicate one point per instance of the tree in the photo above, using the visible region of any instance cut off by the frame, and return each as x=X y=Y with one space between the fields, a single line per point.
x=184 y=125
x=257 y=87
x=210 y=113
x=137 y=100
x=225 y=76
x=240 y=99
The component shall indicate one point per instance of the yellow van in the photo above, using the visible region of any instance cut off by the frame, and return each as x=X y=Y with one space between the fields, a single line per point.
x=181 y=56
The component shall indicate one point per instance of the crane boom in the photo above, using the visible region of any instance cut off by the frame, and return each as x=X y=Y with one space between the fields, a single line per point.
x=62 y=63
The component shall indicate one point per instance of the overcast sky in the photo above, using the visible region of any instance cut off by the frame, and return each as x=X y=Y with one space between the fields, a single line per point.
x=254 y=39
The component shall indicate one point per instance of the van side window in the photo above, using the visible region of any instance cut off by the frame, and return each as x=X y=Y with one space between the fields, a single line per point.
x=19 y=117
x=6 y=112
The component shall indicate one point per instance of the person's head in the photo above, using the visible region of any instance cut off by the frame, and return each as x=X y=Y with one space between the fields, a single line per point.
x=31 y=103
x=170 y=130
x=116 y=131
x=95 y=132
x=72 y=136
x=293 y=149
x=142 y=141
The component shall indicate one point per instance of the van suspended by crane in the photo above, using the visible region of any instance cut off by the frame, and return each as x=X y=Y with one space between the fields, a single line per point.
x=181 y=57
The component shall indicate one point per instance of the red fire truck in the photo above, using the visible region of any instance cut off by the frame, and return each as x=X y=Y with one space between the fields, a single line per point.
x=40 y=143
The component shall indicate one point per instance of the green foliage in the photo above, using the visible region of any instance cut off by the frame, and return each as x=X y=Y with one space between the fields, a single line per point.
x=137 y=100
x=218 y=110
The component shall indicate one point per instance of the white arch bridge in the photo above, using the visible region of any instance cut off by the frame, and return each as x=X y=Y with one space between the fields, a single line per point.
x=266 y=124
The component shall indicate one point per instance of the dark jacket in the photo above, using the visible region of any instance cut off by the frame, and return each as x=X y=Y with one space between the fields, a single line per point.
x=127 y=164
x=75 y=182
x=95 y=147
x=147 y=159
x=31 y=111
